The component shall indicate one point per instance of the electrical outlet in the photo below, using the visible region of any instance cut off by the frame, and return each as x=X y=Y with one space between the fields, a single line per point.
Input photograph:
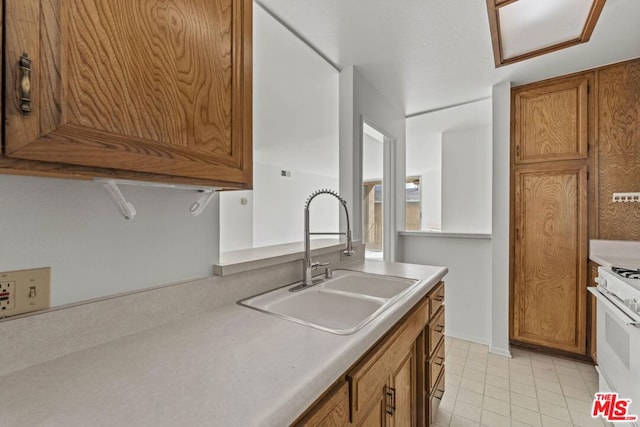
x=24 y=291
x=7 y=296
x=626 y=197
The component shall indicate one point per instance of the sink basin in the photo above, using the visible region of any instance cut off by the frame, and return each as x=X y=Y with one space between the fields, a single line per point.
x=367 y=284
x=341 y=305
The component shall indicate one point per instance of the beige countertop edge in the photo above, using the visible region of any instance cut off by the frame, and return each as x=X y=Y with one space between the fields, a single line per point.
x=231 y=366
x=253 y=259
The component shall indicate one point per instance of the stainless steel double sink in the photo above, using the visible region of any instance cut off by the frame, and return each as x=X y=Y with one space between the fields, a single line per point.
x=341 y=305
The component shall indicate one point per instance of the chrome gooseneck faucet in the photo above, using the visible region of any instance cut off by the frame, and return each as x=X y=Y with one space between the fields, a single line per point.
x=307 y=264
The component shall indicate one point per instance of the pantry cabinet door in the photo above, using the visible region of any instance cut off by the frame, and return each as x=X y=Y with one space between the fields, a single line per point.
x=152 y=86
x=550 y=255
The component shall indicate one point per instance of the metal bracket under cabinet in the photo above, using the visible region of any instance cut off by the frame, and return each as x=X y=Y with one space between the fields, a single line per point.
x=127 y=210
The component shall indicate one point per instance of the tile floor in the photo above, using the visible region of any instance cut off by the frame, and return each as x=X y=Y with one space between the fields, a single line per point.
x=531 y=389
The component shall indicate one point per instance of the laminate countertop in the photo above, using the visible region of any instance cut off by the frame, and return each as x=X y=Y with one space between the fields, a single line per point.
x=231 y=366
x=617 y=253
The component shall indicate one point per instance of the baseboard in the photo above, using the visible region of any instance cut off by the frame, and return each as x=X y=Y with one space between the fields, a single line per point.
x=500 y=351
x=465 y=337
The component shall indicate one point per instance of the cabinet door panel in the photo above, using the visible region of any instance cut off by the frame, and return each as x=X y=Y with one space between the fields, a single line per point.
x=550 y=121
x=403 y=381
x=332 y=411
x=550 y=255
x=147 y=86
x=369 y=377
x=377 y=416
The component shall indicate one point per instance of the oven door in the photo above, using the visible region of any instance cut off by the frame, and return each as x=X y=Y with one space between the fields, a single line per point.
x=618 y=341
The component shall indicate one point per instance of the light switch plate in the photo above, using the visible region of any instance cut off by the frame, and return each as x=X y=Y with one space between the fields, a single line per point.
x=24 y=291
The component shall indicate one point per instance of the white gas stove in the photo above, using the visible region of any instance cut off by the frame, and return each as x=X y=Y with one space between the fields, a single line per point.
x=621 y=286
x=618 y=334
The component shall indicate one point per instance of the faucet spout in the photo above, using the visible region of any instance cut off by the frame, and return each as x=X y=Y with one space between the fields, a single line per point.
x=308 y=265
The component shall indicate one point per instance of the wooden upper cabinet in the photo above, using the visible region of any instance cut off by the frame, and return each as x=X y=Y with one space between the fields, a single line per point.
x=551 y=120
x=149 y=86
x=550 y=251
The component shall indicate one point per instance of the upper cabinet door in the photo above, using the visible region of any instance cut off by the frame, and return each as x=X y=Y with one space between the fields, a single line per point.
x=551 y=120
x=152 y=86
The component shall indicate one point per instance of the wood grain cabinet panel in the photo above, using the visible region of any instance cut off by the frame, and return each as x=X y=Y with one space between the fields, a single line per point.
x=551 y=121
x=619 y=149
x=384 y=372
x=331 y=411
x=551 y=253
x=148 y=86
x=403 y=385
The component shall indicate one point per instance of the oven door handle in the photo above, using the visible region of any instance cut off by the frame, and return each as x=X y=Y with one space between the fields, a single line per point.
x=621 y=315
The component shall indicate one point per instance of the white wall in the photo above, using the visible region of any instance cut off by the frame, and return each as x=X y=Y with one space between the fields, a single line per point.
x=467 y=285
x=295 y=101
x=424 y=159
x=466 y=180
x=372 y=158
x=74 y=227
x=236 y=220
x=424 y=142
x=500 y=220
x=295 y=128
x=431 y=203
x=279 y=215
x=360 y=101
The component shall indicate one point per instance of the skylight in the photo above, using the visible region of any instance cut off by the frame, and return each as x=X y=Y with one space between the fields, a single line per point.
x=522 y=29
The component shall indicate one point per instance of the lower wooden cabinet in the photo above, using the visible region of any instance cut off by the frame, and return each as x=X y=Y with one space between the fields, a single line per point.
x=399 y=382
x=433 y=357
x=384 y=382
x=331 y=411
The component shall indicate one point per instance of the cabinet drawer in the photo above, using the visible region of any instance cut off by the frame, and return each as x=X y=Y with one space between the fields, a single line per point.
x=436 y=332
x=434 y=399
x=435 y=366
x=368 y=378
x=436 y=298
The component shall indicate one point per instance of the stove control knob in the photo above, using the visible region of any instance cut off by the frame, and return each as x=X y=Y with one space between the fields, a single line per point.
x=601 y=281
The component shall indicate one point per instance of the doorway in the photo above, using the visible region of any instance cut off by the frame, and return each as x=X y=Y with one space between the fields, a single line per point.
x=373 y=192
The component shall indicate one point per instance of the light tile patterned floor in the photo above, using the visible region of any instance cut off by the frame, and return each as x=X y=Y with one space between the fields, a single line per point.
x=531 y=389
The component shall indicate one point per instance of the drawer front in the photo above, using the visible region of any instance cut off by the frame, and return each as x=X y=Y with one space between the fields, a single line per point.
x=434 y=399
x=436 y=298
x=436 y=332
x=435 y=366
x=367 y=379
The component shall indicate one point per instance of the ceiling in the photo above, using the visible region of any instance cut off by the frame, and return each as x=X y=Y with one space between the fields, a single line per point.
x=424 y=55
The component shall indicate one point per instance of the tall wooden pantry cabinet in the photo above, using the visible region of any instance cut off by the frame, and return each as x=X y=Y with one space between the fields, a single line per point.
x=575 y=141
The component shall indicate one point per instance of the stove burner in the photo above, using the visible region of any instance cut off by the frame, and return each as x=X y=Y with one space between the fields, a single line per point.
x=626 y=273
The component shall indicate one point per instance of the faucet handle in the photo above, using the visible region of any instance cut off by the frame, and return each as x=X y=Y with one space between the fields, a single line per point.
x=315 y=265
